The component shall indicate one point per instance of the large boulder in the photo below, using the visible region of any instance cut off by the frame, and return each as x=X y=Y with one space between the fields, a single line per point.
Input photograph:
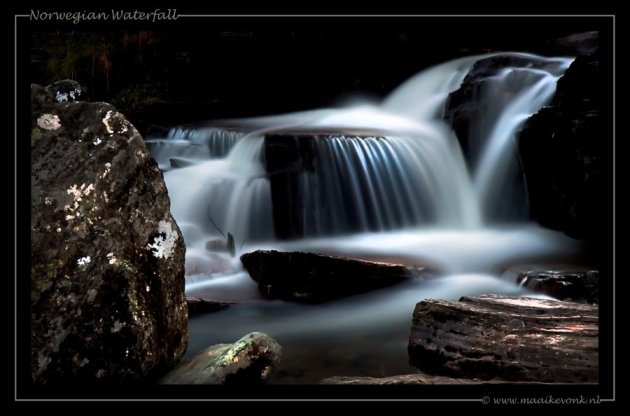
x=312 y=277
x=509 y=338
x=250 y=360
x=564 y=149
x=107 y=258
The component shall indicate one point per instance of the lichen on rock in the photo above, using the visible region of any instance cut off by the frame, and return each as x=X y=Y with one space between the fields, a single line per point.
x=96 y=207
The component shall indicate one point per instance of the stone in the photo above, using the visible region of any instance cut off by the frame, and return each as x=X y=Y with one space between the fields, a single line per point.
x=408 y=379
x=250 y=360
x=576 y=286
x=67 y=90
x=177 y=162
x=504 y=337
x=311 y=277
x=107 y=258
x=565 y=150
x=197 y=306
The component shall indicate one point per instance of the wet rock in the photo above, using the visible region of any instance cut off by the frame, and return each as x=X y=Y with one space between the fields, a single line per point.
x=576 y=286
x=564 y=150
x=464 y=110
x=107 y=258
x=310 y=277
x=197 y=306
x=250 y=360
x=408 y=379
x=67 y=90
x=177 y=162
x=484 y=98
x=287 y=159
x=511 y=338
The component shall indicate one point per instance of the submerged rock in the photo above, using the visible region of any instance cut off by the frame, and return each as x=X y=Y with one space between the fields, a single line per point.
x=511 y=338
x=197 y=306
x=576 y=286
x=107 y=258
x=250 y=360
x=310 y=277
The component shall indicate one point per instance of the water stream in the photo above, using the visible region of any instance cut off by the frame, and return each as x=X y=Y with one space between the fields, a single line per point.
x=387 y=182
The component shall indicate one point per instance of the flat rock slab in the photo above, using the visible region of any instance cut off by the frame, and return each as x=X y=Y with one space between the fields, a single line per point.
x=512 y=338
x=407 y=379
x=310 y=277
x=197 y=306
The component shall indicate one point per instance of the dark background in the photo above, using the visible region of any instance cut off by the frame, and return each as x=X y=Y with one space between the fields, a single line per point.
x=196 y=69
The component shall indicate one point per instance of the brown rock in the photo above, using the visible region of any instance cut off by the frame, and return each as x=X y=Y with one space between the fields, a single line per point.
x=512 y=338
x=407 y=379
x=310 y=277
x=575 y=286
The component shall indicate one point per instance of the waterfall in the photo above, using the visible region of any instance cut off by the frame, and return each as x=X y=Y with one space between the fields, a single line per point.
x=363 y=169
x=192 y=145
x=510 y=97
x=385 y=183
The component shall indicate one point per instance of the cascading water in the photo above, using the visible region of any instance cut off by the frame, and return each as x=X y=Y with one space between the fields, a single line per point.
x=365 y=182
x=191 y=145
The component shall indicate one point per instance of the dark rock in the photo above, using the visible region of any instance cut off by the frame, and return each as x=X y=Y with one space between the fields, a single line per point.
x=563 y=151
x=577 y=44
x=107 y=258
x=409 y=379
x=310 y=277
x=250 y=360
x=486 y=92
x=576 y=286
x=67 y=90
x=40 y=96
x=511 y=338
x=197 y=306
x=287 y=157
x=464 y=110
x=155 y=131
x=177 y=162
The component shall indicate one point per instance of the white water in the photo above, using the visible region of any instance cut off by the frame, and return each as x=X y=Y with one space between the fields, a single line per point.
x=389 y=182
x=193 y=145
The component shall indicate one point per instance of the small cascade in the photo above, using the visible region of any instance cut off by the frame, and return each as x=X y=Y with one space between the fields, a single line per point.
x=192 y=145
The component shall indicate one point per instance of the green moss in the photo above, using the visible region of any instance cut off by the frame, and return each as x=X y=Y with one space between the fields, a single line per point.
x=42 y=278
x=36 y=134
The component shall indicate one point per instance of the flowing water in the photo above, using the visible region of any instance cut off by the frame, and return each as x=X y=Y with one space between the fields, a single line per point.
x=385 y=182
